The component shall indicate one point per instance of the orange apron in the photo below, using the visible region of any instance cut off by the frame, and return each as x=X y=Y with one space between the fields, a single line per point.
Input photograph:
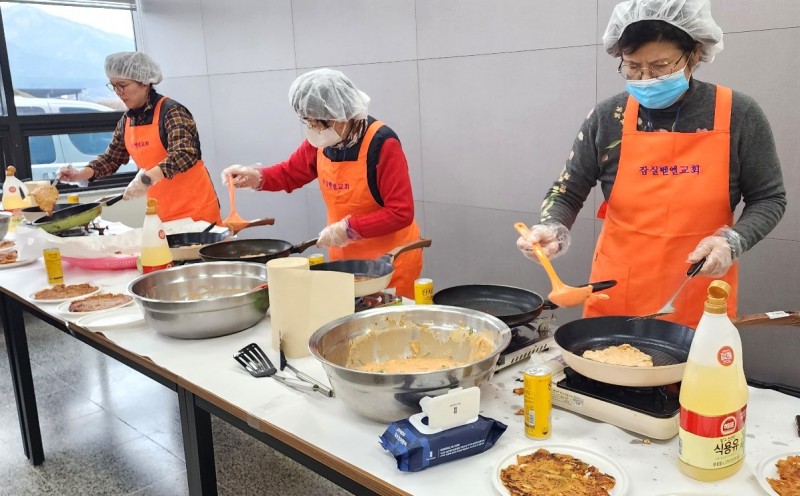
x=187 y=194
x=670 y=192
x=346 y=192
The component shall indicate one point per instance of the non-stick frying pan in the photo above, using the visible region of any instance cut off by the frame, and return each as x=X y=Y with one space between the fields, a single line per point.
x=187 y=245
x=252 y=250
x=668 y=343
x=371 y=275
x=79 y=215
x=514 y=306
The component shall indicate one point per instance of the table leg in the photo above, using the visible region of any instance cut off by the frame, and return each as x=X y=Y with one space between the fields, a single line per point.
x=198 y=446
x=20 y=364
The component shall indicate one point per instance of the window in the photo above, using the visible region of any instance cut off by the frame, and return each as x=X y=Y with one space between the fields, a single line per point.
x=51 y=152
x=54 y=54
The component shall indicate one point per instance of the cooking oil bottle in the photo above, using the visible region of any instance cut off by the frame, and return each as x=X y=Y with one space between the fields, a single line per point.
x=713 y=395
x=15 y=197
x=155 y=249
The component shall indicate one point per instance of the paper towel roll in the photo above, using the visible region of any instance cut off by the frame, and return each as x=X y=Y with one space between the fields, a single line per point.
x=301 y=301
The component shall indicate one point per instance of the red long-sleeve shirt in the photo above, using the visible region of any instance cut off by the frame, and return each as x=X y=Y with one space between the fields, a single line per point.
x=393 y=181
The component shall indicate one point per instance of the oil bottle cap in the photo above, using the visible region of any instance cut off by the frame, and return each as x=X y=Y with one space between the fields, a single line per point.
x=717 y=301
x=152 y=206
x=11 y=170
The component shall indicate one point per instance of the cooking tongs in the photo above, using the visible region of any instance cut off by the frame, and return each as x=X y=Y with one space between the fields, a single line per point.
x=255 y=361
x=668 y=308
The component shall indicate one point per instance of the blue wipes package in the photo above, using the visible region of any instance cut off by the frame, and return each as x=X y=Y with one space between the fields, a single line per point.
x=415 y=451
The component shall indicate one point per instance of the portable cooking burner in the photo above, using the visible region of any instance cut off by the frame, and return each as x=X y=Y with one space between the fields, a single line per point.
x=653 y=412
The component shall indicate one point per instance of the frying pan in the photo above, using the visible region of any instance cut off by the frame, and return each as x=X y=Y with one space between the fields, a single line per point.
x=371 y=275
x=78 y=215
x=514 y=306
x=186 y=246
x=668 y=343
x=252 y=250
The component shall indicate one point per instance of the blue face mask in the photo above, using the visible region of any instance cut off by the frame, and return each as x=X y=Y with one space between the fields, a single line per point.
x=658 y=93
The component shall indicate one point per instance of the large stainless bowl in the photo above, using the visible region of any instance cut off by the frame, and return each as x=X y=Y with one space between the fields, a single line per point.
x=388 y=397
x=203 y=300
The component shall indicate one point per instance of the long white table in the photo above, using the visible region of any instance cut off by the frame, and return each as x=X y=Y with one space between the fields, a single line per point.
x=323 y=434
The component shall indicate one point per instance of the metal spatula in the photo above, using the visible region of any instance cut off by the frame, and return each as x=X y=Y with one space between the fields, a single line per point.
x=668 y=307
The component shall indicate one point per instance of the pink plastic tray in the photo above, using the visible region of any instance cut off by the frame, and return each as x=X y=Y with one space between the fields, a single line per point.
x=118 y=262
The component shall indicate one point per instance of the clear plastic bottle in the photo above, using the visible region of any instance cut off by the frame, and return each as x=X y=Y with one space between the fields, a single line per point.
x=15 y=197
x=155 y=254
x=713 y=395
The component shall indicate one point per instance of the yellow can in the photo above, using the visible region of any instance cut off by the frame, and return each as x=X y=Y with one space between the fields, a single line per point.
x=52 y=264
x=73 y=198
x=315 y=258
x=538 y=401
x=423 y=291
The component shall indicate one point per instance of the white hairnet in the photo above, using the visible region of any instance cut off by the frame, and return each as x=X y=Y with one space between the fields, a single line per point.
x=691 y=16
x=136 y=66
x=326 y=94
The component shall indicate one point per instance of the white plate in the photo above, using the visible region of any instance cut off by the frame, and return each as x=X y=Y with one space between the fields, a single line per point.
x=64 y=309
x=766 y=468
x=123 y=318
x=59 y=300
x=602 y=462
x=17 y=263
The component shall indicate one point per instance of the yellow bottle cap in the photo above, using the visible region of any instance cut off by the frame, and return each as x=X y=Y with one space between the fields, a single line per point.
x=152 y=206
x=11 y=170
x=717 y=301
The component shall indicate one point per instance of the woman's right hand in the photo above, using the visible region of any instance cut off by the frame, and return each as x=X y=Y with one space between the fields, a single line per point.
x=71 y=175
x=241 y=176
x=554 y=239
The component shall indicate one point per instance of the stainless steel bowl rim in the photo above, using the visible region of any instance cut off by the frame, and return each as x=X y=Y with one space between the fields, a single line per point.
x=209 y=301
x=505 y=332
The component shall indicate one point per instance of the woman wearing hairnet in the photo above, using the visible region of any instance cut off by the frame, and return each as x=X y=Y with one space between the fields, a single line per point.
x=362 y=173
x=160 y=135
x=674 y=156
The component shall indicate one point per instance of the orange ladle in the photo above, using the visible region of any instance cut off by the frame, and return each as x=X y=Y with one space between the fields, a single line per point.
x=235 y=222
x=562 y=295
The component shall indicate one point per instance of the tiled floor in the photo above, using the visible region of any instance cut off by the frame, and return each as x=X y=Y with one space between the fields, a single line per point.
x=109 y=430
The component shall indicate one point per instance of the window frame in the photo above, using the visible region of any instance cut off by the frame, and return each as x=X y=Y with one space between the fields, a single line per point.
x=15 y=129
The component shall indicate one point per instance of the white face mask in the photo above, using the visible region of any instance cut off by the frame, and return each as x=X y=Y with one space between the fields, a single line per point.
x=324 y=138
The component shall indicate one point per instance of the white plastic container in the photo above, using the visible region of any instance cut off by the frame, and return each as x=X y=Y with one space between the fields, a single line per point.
x=713 y=395
x=15 y=197
x=155 y=254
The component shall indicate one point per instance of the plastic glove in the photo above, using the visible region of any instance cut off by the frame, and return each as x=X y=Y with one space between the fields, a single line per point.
x=242 y=177
x=554 y=239
x=720 y=250
x=136 y=188
x=337 y=234
x=71 y=175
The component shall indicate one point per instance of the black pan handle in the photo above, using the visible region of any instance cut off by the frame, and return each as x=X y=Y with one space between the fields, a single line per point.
x=303 y=246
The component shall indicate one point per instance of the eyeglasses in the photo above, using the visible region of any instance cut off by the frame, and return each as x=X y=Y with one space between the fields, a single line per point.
x=657 y=70
x=312 y=123
x=118 y=87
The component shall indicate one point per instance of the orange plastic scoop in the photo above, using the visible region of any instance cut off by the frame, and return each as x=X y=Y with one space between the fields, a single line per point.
x=562 y=295
x=235 y=222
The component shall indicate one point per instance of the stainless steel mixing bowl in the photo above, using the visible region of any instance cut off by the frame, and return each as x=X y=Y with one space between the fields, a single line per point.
x=203 y=300
x=386 y=397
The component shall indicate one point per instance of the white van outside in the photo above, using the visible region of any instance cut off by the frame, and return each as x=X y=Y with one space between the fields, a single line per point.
x=51 y=152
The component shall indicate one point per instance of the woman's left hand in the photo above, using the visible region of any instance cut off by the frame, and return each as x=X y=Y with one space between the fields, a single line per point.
x=719 y=256
x=136 y=188
x=337 y=234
